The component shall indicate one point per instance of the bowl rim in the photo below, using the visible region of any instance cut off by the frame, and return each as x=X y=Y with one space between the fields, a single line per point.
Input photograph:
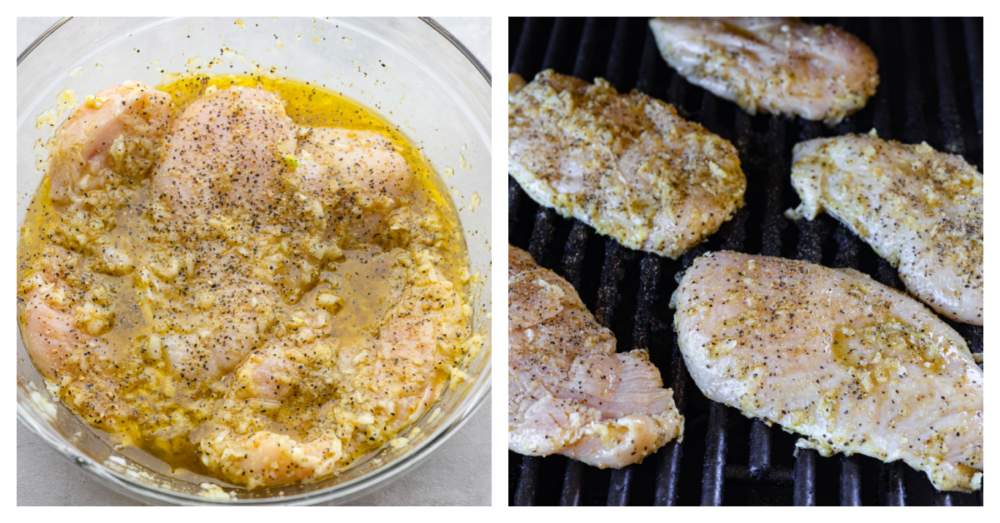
x=377 y=478
x=427 y=19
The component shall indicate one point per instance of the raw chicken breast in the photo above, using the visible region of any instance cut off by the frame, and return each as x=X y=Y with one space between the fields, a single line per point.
x=278 y=302
x=338 y=160
x=62 y=333
x=207 y=340
x=52 y=337
x=360 y=174
x=288 y=394
x=772 y=65
x=111 y=136
x=270 y=458
x=569 y=391
x=920 y=209
x=626 y=164
x=854 y=366
x=59 y=331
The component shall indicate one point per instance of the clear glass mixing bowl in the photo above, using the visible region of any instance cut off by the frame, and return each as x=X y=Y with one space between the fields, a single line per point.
x=411 y=71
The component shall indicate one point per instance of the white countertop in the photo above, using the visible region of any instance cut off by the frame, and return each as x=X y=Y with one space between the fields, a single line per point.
x=457 y=473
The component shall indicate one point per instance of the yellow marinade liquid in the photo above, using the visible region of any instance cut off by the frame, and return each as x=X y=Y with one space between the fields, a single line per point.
x=150 y=409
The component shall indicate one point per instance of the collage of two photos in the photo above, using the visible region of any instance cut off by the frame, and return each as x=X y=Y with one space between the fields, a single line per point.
x=745 y=261
x=257 y=261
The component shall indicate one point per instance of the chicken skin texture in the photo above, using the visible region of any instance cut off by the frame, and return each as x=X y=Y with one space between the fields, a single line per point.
x=852 y=365
x=570 y=392
x=625 y=164
x=772 y=65
x=920 y=209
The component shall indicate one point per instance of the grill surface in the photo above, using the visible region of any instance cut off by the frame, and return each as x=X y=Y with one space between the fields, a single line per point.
x=931 y=91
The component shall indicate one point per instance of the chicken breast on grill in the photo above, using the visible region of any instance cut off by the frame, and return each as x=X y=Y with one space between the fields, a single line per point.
x=625 y=164
x=569 y=391
x=772 y=65
x=920 y=209
x=853 y=365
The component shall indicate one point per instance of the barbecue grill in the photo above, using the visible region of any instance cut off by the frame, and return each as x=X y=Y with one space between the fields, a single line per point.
x=931 y=90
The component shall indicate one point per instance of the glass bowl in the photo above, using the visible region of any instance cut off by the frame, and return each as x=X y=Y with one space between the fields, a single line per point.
x=411 y=71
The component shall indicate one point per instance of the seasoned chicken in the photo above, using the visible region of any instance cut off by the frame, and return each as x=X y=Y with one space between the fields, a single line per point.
x=246 y=127
x=62 y=330
x=292 y=393
x=364 y=161
x=920 y=209
x=772 y=65
x=627 y=165
x=55 y=340
x=264 y=301
x=569 y=391
x=199 y=347
x=515 y=83
x=854 y=366
x=348 y=169
x=110 y=137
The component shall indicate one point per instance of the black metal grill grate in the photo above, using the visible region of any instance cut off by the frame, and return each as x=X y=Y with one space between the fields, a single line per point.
x=931 y=90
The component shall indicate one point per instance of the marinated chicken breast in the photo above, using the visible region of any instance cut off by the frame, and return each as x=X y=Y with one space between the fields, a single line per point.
x=569 y=392
x=291 y=394
x=854 y=366
x=63 y=330
x=772 y=65
x=336 y=162
x=265 y=301
x=111 y=136
x=920 y=209
x=625 y=164
x=248 y=128
x=515 y=83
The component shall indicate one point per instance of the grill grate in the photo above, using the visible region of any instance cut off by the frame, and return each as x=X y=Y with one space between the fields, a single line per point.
x=932 y=93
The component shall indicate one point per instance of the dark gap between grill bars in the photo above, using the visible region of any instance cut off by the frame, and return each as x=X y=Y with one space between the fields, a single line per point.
x=931 y=90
